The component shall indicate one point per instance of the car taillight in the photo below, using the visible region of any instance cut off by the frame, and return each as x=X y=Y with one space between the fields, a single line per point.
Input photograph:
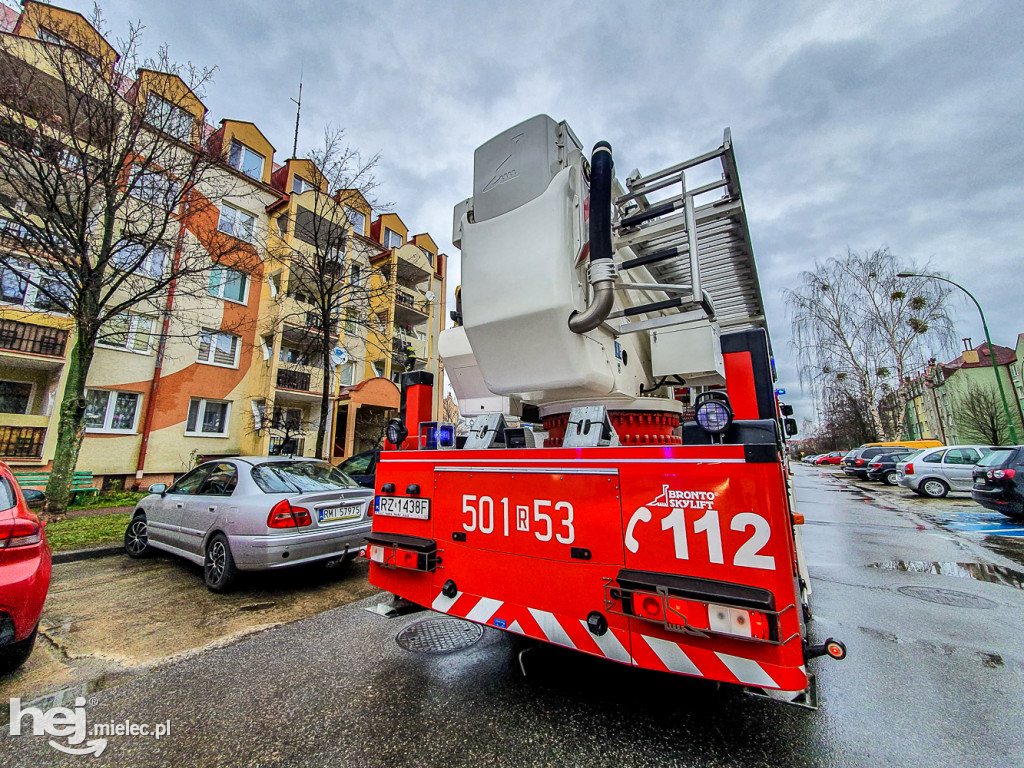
x=876 y=464
x=284 y=515
x=908 y=470
x=1001 y=474
x=20 y=533
x=858 y=462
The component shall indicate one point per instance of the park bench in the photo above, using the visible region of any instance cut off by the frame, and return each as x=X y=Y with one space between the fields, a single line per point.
x=81 y=483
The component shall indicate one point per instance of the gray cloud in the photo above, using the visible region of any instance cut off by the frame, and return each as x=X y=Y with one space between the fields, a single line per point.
x=856 y=125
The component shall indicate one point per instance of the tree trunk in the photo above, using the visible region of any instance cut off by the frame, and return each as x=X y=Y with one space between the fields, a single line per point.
x=70 y=431
x=325 y=399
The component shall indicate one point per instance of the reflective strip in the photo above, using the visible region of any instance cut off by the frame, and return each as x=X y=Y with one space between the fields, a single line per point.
x=514 y=626
x=747 y=671
x=483 y=610
x=552 y=630
x=672 y=656
x=444 y=604
x=609 y=645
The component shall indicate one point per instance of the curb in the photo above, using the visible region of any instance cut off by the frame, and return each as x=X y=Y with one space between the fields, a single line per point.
x=74 y=555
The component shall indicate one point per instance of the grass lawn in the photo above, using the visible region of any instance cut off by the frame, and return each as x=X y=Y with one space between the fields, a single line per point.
x=107 y=499
x=88 y=531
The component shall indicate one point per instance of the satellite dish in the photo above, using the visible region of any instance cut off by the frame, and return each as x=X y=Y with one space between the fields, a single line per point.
x=430 y=295
x=339 y=356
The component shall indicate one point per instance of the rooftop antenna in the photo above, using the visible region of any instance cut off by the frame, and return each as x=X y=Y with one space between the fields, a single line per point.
x=298 y=112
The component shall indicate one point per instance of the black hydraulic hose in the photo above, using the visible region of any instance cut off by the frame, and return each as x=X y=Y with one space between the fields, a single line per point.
x=602 y=276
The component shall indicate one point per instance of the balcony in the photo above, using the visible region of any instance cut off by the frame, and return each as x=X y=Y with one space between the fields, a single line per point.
x=16 y=336
x=22 y=442
x=298 y=380
x=410 y=308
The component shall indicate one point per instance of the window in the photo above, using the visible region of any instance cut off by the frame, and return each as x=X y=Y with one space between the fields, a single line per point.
x=429 y=255
x=351 y=320
x=189 y=484
x=44 y=293
x=15 y=396
x=155 y=188
x=221 y=480
x=354 y=273
x=967 y=456
x=135 y=257
x=236 y=222
x=218 y=348
x=347 y=374
x=267 y=346
x=107 y=411
x=934 y=458
x=207 y=418
x=288 y=418
x=258 y=407
x=357 y=219
x=300 y=185
x=230 y=284
x=130 y=332
x=243 y=159
x=392 y=239
x=168 y=117
x=293 y=356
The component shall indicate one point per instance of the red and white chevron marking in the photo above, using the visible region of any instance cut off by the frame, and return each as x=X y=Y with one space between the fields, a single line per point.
x=647 y=651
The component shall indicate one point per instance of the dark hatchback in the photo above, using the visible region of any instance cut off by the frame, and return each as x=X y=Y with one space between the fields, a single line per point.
x=857 y=462
x=883 y=466
x=999 y=481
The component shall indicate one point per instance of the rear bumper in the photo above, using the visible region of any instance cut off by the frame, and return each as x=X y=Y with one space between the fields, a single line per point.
x=24 y=582
x=1003 y=500
x=259 y=553
x=909 y=481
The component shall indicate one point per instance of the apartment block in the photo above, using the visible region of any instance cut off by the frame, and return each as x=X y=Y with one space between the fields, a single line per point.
x=225 y=370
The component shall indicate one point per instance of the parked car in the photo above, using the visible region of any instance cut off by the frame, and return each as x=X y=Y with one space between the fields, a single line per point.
x=251 y=514
x=830 y=458
x=362 y=467
x=809 y=459
x=883 y=467
x=24 y=572
x=857 y=461
x=936 y=471
x=999 y=481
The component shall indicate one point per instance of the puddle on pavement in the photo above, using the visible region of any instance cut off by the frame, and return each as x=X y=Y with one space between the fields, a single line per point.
x=994 y=574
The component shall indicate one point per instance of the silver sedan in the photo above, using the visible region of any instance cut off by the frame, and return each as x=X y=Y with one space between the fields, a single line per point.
x=253 y=513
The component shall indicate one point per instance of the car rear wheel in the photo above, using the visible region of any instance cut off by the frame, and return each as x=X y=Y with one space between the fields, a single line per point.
x=136 y=538
x=16 y=654
x=889 y=478
x=219 y=569
x=934 y=489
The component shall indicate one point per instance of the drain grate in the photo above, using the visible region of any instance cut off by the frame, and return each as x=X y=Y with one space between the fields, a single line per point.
x=950 y=597
x=439 y=636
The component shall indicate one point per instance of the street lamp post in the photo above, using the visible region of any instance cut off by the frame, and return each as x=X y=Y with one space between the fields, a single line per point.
x=991 y=349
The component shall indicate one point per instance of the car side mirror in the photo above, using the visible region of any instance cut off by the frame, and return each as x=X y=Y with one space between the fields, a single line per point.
x=33 y=497
x=160 y=488
x=790 y=427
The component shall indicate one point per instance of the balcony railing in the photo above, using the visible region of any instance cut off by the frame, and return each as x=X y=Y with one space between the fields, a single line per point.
x=294 y=380
x=34 y=339
x=22 y=442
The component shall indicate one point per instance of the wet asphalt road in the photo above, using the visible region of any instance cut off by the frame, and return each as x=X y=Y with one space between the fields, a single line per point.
x=934 y=677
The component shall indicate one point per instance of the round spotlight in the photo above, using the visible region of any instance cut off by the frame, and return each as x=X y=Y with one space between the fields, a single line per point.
x=396 y=432
x=714 y=416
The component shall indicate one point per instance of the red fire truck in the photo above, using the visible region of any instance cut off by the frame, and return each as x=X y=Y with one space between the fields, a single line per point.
x=622 y=488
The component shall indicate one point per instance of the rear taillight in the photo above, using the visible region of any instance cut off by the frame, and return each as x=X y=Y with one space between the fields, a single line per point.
x=858 y=462
x=284 y=515
x=391 y=556
x=1001 y=474
x=20 y=533
x=876 y=465
x=680 y=614
x=908 y=470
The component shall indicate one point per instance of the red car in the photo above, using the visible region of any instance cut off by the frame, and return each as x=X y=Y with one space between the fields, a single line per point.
x=24 y=572
x=830 y=458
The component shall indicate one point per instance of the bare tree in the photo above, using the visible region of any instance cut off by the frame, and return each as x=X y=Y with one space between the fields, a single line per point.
x=979 y=415
x=329 y=273
x=859 y=329
x=283 y=424
x=450 y=409
x=102 y=168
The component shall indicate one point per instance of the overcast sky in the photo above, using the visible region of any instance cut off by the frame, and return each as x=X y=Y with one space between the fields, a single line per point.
x=855 y=124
